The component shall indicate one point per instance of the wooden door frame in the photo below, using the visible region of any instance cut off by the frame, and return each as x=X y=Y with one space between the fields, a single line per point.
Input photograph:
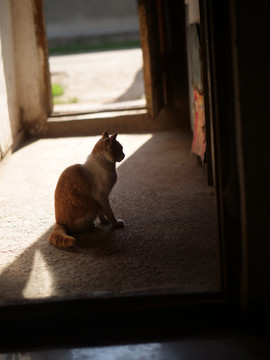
x=150 y=43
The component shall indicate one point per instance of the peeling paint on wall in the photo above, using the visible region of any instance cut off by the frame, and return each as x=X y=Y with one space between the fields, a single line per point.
x=199 y=139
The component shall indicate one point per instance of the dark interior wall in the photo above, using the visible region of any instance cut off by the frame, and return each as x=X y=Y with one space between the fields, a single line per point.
x=219 y=97
x=250 y=43
x=239 y=67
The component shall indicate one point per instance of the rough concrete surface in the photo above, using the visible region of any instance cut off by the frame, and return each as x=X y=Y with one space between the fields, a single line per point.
x=169 y=242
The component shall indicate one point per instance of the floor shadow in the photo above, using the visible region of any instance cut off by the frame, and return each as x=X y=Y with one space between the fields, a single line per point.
x=97 y=245
x=100 y=241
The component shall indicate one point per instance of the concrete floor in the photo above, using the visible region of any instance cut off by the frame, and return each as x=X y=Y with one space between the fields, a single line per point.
x=169 y=242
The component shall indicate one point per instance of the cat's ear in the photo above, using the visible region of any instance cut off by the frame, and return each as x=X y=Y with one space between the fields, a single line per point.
x=113 y=137
x=105 y=135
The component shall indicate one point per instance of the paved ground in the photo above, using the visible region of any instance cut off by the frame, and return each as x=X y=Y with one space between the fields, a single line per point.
x=94 y=79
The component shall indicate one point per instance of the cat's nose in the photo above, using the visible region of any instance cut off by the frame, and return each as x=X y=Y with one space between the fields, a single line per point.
x=121 y=157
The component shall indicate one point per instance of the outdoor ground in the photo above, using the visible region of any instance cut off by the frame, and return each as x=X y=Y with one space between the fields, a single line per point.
x=98 y=79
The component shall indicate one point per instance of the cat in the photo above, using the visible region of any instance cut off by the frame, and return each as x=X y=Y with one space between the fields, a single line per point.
x=82 y=192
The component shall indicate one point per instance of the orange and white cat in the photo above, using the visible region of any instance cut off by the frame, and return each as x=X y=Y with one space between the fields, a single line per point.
x=82 y=192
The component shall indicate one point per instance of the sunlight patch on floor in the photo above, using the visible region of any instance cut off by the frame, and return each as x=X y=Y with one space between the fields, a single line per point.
x=39 y=283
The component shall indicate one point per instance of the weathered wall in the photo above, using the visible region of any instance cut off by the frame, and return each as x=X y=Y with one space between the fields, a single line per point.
x=31 y=64
x=252 y=78
x=9 y=110
x=24 y=80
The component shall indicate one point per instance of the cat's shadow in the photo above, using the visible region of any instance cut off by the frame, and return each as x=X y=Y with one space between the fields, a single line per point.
x=100 y=241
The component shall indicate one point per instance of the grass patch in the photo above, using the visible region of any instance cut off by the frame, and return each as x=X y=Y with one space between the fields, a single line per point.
x=57 y=90
x=81 y=46
x=72 y=100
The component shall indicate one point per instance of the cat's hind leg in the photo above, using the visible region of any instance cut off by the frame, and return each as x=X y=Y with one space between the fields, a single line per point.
x=83 y=224
x=60 y=239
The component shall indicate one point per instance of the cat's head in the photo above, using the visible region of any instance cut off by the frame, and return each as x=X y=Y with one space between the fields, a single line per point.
x=109 y=147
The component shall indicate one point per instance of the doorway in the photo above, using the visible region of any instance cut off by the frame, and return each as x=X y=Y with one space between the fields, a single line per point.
x=163 y=196
x=95 y=57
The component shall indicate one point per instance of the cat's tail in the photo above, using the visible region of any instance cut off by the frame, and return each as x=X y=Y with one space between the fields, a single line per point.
x=59 y=237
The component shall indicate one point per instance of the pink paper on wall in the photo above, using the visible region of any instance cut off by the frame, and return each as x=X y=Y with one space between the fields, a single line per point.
x=199 y=140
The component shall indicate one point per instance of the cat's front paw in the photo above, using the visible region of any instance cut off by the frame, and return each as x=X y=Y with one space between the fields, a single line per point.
x=103 y=220
x=119 y=223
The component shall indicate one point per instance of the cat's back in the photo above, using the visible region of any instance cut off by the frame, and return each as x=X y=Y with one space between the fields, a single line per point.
x=73 y=180
x=73 y=197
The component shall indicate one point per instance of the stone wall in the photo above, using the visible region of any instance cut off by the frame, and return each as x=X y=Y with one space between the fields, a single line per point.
x=69 y=18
